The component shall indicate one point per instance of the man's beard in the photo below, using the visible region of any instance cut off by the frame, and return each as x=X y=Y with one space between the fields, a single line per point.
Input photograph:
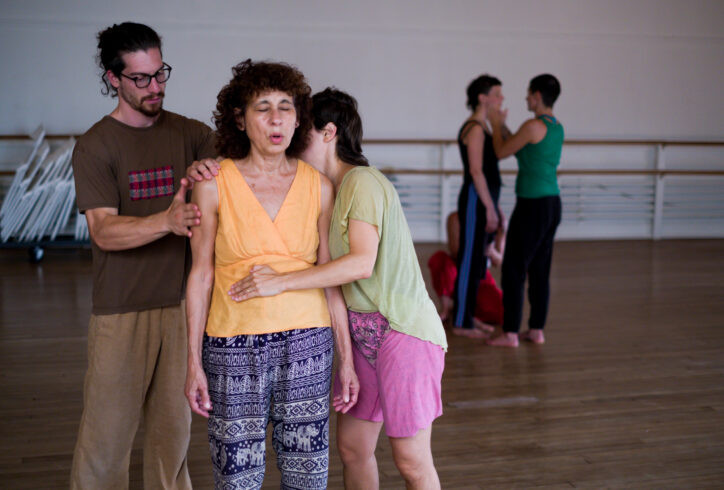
x=154 y=110
x=149 y=111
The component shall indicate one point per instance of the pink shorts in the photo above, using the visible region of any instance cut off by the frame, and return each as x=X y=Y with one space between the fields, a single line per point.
x=403 y=388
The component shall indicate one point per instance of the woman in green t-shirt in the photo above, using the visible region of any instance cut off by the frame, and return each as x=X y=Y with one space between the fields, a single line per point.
x=398 y=339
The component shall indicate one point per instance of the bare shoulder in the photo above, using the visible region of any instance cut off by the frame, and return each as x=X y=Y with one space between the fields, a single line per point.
x=535 y=129
x=205 y=192
x=473 y=132
x=327 y=191
x=533 y=123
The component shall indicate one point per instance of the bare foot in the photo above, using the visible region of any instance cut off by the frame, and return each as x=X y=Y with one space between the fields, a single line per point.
x=482 y=326
x=534 y=335
x=504 y=340
x=472 y=333
x=447 y=306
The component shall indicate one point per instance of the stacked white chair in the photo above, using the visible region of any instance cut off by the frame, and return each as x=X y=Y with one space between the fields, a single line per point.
x=41 y=198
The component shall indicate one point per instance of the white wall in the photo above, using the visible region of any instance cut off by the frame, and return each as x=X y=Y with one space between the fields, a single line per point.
x=629 y=68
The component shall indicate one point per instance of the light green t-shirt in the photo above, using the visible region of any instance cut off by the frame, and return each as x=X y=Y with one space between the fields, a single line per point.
x=395 y=288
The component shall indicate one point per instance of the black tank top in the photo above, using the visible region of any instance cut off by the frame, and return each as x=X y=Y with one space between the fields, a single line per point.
x=490 y=161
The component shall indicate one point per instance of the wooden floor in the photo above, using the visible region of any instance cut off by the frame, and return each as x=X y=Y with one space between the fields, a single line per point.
x=627 y=393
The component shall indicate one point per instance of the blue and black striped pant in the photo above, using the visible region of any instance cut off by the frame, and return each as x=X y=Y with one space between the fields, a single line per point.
x=471 y=259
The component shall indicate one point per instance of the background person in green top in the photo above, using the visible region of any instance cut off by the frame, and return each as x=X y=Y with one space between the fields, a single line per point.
x=529 y=250
x=398 y=338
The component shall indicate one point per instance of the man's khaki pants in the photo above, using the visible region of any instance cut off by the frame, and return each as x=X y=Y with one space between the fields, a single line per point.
x=136 y=370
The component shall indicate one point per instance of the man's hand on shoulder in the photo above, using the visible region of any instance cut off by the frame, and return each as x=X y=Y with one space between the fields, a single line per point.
x=204 y=169
x=180 y=215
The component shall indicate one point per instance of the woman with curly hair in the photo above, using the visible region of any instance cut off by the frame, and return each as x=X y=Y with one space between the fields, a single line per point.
x=398 y=340
x=268 y=359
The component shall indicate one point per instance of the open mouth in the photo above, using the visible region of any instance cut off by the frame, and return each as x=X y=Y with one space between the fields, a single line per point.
x=276 y=138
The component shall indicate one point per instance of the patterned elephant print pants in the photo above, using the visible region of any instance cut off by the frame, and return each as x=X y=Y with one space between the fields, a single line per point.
x=283 y=378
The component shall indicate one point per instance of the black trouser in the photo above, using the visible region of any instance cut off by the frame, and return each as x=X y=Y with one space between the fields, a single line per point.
x=528 y=251
x=471 y=259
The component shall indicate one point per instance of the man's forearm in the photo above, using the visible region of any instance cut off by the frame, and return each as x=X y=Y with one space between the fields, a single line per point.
x=115 y=232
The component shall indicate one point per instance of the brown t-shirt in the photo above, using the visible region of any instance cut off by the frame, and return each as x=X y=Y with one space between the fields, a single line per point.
x=138 y=171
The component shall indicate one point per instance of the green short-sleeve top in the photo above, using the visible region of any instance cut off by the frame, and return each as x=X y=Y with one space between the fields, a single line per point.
x=396 y=288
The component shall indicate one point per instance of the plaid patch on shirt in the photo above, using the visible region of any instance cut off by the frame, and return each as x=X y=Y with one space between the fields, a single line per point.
x=151 y=183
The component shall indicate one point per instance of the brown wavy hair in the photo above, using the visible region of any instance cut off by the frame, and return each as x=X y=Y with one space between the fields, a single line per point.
x=249 y=80
x=340 y=108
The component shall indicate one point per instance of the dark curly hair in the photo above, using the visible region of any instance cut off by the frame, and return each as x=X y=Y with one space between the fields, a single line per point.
x=340 y=108
x=249 y=80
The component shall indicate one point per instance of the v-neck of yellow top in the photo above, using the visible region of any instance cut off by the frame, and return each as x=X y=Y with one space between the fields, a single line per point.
x=256 y=199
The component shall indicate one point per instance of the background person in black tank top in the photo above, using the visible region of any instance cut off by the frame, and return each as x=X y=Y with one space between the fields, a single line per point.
x=477 y=203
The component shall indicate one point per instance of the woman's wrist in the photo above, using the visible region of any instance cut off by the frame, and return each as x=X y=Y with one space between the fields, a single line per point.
x=284 y=282
x=194 y=359
x=345 y=362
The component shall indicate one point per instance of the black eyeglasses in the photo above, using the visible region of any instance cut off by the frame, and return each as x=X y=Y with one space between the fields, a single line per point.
x=143 y=80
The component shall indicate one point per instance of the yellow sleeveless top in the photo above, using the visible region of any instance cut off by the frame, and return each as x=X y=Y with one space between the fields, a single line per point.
x=246 y=236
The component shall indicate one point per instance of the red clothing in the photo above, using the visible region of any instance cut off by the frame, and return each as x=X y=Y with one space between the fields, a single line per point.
x=489 y=303
x=443 y=272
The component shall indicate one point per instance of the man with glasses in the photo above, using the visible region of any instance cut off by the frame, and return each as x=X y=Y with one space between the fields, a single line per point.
x=128 y=173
